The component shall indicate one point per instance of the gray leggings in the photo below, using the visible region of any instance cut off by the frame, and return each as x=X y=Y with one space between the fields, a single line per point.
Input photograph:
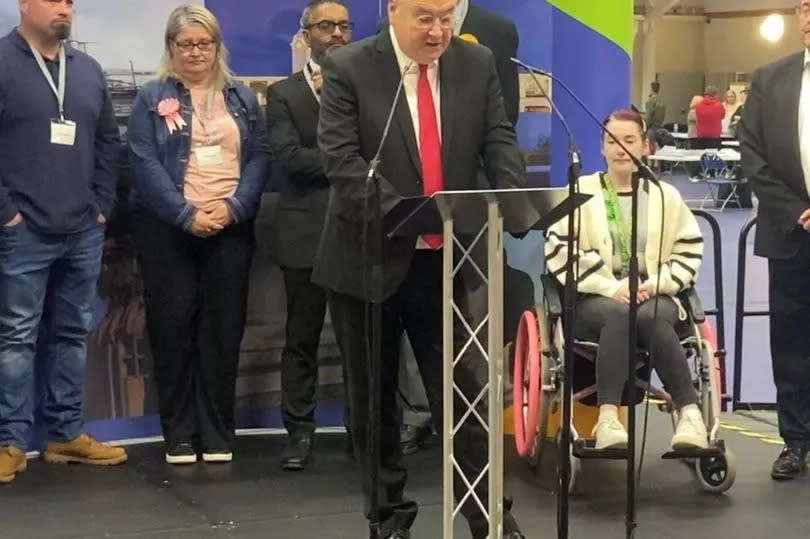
x=604 y=320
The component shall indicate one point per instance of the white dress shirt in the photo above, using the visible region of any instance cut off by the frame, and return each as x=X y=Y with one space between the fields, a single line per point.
x=410 y=87
x=312 y=65
x=804 y=120
x=411 y=83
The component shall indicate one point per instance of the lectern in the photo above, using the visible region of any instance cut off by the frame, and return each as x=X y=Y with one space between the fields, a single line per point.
x=466 y=218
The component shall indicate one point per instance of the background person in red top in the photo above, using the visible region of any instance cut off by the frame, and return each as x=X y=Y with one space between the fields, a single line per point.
x=710 y=113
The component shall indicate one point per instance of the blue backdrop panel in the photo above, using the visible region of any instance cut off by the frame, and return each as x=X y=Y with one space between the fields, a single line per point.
x=598 y=71
x=258 y=35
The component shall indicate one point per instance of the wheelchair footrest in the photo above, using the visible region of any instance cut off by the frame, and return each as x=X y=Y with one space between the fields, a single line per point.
x=584 y=449
x=717 y=450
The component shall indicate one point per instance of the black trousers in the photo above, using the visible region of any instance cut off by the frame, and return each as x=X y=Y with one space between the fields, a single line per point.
x=790 y=343
x=196 y=301
x=416 y=308
x=306 y=308
x=605 y=320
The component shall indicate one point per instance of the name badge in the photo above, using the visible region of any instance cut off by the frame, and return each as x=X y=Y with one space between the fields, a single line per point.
x=63 y=132
x=209 y=156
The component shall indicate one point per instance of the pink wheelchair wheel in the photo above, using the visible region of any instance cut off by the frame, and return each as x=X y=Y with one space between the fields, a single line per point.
x=526 y=383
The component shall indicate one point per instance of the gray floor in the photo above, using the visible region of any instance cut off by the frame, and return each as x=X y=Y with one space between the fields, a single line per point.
x=253 y=498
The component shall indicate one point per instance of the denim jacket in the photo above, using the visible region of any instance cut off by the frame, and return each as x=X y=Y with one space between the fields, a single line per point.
x=159 y=159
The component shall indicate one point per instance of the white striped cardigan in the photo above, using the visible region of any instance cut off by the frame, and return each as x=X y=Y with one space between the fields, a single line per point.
x=682 y=246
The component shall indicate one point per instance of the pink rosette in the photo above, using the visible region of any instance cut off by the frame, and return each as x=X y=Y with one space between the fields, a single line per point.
x=169 y=110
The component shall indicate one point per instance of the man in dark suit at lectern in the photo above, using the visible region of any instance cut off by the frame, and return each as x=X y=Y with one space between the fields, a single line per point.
x=449 y=123
x=292 y=120
x=499 y=35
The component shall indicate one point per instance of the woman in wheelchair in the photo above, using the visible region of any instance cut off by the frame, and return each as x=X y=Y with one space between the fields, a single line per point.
x=602 y=283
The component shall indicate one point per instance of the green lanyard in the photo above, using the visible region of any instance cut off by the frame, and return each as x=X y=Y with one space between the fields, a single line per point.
x=616 y=221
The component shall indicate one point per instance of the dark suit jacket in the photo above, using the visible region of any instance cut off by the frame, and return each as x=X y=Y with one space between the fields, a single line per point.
x=499 y=35
x=360 y=82
x=771 y=161
x=292 y=121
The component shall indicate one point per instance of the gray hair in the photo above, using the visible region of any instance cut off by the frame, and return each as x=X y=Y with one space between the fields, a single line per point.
x=187 y=15
x=306 y=15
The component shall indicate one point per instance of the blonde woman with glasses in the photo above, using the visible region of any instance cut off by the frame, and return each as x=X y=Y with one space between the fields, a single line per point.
x=200 y=159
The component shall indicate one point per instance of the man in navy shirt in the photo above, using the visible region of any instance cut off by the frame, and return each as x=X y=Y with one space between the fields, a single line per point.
x=58 y=150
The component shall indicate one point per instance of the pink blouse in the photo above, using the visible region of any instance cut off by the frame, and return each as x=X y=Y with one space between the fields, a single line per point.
x=214 y=163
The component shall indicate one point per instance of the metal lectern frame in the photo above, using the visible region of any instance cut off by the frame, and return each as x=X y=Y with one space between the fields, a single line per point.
x=493 y=389
x=463 y=212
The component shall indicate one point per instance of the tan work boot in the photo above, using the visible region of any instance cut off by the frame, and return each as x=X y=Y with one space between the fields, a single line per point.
x=85 y=450
x=12 y=462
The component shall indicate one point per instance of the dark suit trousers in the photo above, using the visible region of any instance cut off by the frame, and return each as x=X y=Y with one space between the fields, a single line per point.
x=196 y=302
x=306 y=307
x=790 y=342
x=417 y=309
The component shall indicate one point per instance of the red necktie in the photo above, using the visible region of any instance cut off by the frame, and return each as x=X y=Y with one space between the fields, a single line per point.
x=430 y=148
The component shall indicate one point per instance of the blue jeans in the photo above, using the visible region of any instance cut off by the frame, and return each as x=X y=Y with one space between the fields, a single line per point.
x=47 y=285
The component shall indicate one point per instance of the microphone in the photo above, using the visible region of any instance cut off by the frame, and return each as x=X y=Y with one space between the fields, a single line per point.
x=644 y=170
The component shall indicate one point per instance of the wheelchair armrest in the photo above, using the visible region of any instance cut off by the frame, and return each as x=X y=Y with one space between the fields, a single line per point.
x=691 y=302
x=553 y=295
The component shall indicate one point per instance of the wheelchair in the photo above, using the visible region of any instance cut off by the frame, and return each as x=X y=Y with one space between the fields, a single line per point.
x=538 y=389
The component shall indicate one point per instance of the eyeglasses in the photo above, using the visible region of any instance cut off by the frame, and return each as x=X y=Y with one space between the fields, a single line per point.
x=205 y=45
x=329 y=26
x=427 y=22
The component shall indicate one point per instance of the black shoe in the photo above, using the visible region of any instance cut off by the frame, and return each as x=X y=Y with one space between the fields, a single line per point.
x=790 y=464
x=414 y=438
x=181 y=453
x=297 y=452
x=399 y=534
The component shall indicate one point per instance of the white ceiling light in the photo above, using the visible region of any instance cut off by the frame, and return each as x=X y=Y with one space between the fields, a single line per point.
x=772 y=28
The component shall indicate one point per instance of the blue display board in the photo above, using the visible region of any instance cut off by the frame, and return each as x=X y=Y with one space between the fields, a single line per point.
x=578 y=45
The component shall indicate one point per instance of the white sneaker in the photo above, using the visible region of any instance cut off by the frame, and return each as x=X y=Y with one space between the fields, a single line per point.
x=610 y=433
x=182 y=453
x=690 y=432
x=218 y=457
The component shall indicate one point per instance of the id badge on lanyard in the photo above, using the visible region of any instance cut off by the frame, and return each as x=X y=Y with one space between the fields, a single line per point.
x=209 y=155
x=63 y=131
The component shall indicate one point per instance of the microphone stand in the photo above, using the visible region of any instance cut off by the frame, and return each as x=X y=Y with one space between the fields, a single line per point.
x=633 y=277
x=569 y=307
x=374 y=247
x=374 y=305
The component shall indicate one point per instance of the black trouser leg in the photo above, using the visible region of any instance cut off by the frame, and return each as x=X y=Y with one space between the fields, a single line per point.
x=790 y=344
x=170 y=279
x=657 y=333
x=604 y=320
x=306 y=307
x=348 y=319
x=225 y=266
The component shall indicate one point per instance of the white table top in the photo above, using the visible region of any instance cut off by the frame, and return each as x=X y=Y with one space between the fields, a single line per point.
x=671 y=154
x=732 y=143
